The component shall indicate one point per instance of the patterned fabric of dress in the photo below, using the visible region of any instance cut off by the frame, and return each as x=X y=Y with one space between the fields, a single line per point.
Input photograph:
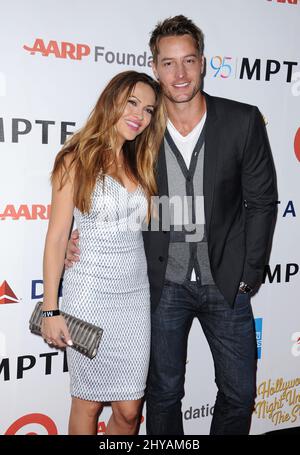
x=109 y=287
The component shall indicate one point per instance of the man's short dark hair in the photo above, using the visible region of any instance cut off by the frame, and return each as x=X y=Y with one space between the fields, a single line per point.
x=176 y=26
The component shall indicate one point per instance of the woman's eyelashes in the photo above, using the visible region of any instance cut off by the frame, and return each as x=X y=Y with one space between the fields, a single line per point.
x=133 y=102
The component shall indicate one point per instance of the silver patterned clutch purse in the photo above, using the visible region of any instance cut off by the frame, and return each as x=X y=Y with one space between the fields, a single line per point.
x=86 y=337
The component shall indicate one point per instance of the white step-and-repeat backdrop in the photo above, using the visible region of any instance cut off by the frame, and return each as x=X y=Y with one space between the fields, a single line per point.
x=55 y=58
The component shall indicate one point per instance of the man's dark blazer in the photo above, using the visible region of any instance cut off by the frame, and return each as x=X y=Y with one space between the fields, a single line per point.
x=240 y=200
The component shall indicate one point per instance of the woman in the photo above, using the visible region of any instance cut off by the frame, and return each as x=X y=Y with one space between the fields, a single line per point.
x=104 y=175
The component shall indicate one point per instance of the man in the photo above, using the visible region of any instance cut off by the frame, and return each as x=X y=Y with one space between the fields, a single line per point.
x=215 y=156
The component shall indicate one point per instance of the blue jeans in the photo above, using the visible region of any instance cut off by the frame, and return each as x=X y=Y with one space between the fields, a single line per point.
x=231 y=337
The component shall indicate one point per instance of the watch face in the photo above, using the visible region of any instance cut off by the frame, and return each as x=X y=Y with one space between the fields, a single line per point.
x=244 y=288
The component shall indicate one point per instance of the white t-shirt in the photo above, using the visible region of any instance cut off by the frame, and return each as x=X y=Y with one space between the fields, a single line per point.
x=186 y=144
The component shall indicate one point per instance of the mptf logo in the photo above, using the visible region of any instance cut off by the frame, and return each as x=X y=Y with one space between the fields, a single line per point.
x=25 y=212
x=59 y=50
x=258 y=69
x=7 y=295
x=281 y=273
x=20 y=128
x=258 y=330
x=296 y=346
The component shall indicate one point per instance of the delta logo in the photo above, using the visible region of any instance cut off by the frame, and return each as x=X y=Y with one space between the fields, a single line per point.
x=297 y=144
x=7 y=295
x=37 y=289
x=64 y=49
x=25 y=212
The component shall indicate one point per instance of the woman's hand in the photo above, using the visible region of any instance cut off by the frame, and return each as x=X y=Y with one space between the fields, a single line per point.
x=55 y=332
x=72 y=254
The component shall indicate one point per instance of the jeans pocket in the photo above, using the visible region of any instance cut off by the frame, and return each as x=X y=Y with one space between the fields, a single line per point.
x=243 y=302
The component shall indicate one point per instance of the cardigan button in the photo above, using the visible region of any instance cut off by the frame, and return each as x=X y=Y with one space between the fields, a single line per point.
x=161 y=258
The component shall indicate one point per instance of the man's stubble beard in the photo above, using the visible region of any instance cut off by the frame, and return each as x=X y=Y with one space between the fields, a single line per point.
x=173 y=100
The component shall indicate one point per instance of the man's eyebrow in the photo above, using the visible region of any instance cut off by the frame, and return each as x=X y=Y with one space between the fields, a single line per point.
x=172 y=58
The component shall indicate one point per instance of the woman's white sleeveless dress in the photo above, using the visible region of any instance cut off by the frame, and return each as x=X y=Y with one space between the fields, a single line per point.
x=109 y=287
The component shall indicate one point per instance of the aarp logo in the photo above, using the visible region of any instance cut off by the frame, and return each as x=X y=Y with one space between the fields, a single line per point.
x=25 y=212
x=64 y=49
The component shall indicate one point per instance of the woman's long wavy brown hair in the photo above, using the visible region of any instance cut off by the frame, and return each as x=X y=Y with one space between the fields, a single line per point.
x=91 y=149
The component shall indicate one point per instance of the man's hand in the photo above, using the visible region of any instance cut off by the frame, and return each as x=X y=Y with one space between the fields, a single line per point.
x=72 y=254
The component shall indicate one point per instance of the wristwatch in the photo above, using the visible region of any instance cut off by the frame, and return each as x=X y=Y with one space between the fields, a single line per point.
x=244 y=288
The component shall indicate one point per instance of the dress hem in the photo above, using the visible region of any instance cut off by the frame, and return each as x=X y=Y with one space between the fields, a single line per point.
x=116 y=397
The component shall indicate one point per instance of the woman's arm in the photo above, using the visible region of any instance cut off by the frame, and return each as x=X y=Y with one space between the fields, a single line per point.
x=54 y=328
